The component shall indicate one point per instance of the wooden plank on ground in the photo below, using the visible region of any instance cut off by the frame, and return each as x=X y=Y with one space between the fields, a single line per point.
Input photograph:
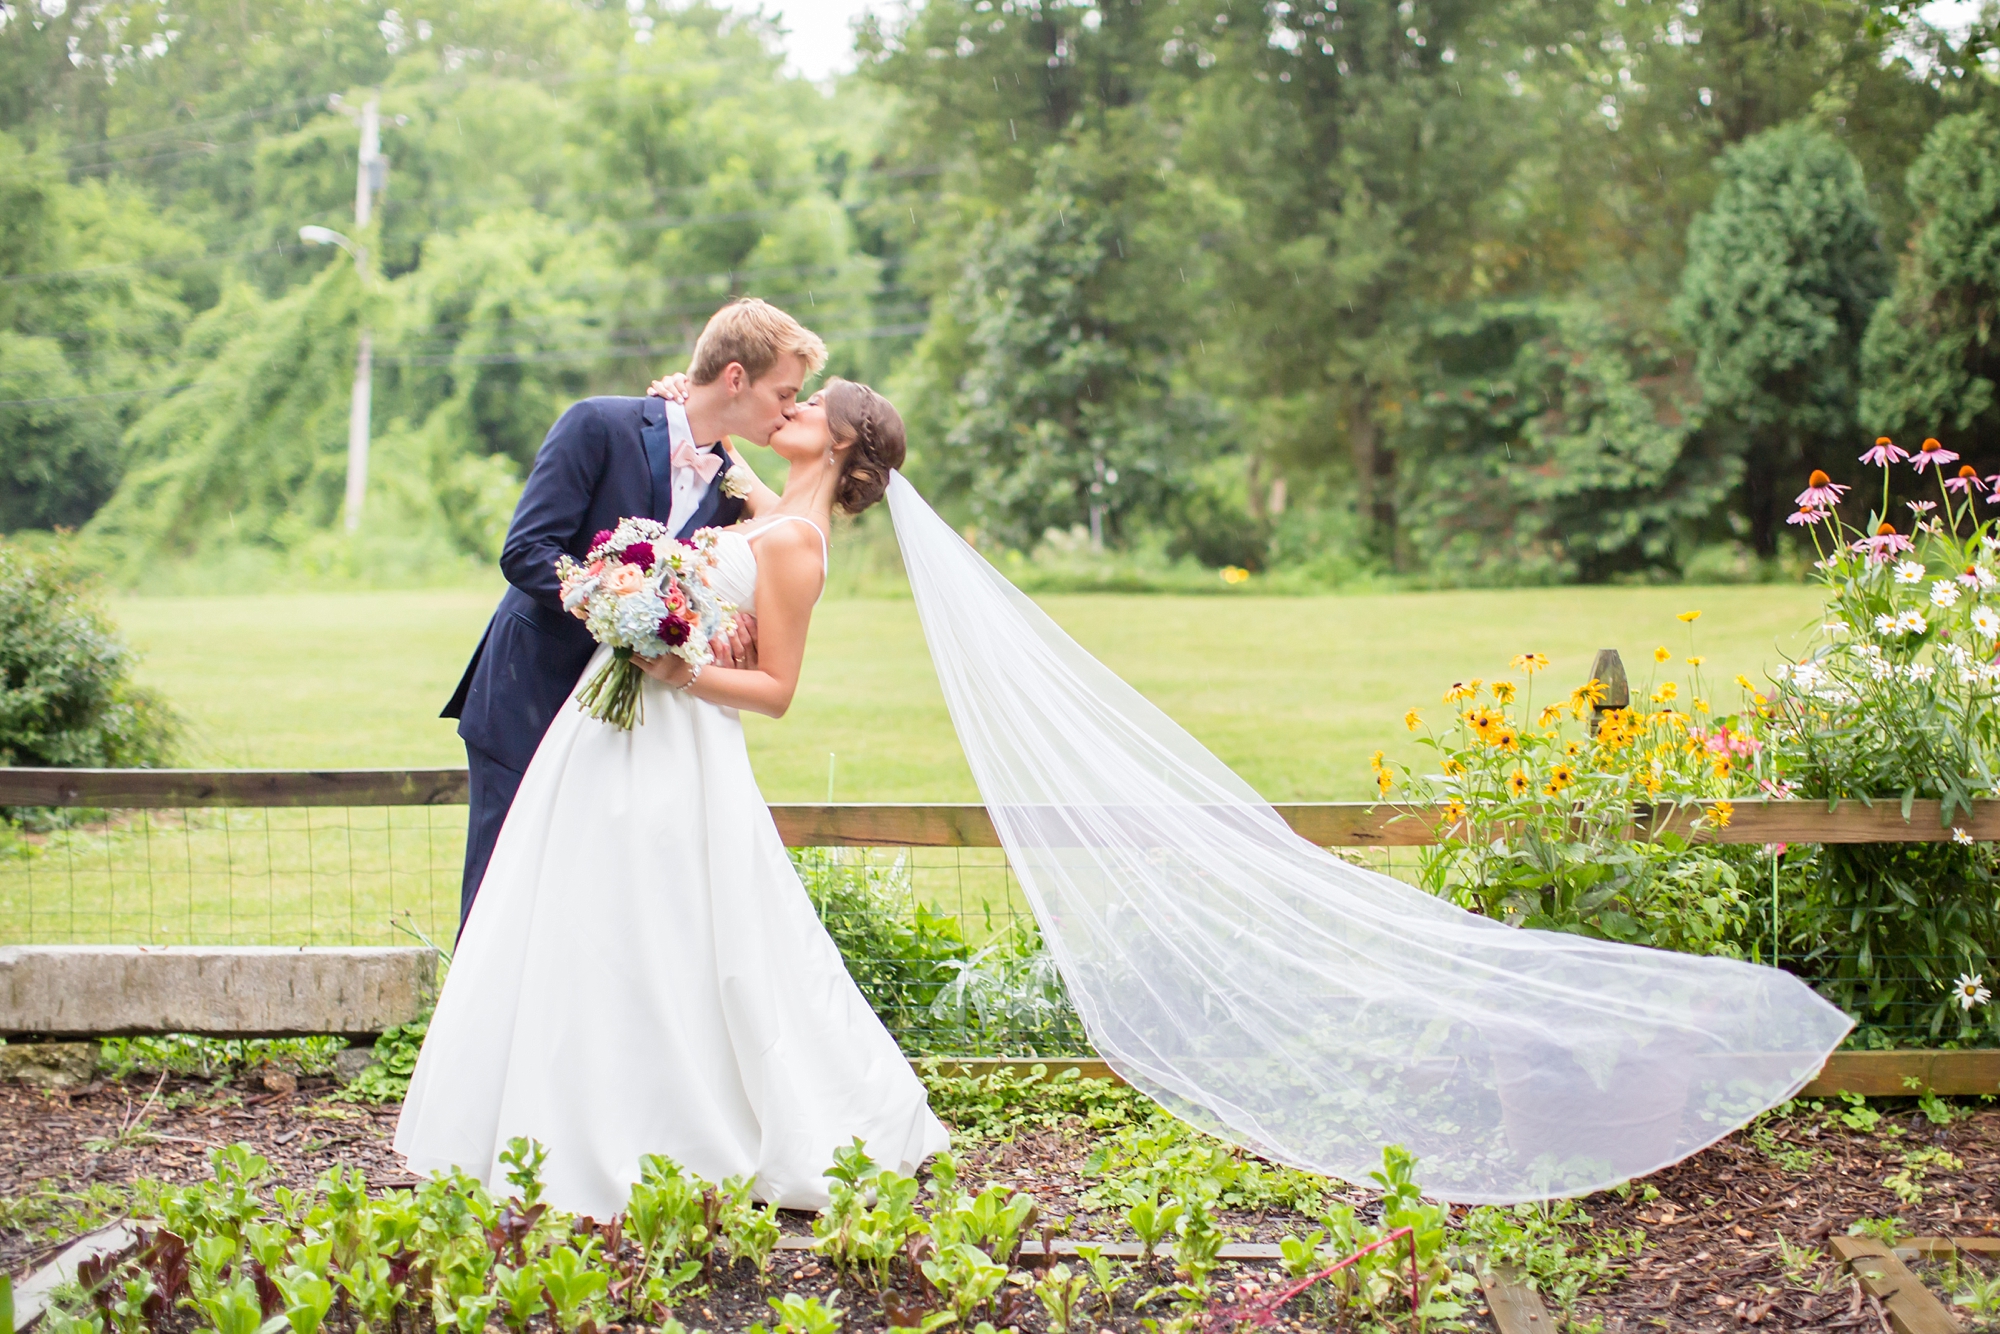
x=1089 y=1067
x=1516 y=1307
x=31 y=1297
x=1883 y=1074
x=1916 y=1248
x=1117 y=1250
x=1911 y=1307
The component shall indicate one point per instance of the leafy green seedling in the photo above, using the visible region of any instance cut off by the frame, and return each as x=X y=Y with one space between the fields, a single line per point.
x=523 y=1159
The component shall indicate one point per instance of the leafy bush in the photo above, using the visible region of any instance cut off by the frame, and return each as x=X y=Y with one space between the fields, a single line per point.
x=927 y=983
x=66 y=695
x=1898 y=700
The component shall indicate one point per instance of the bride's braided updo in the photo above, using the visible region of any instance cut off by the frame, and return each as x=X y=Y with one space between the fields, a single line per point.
x=874 y=429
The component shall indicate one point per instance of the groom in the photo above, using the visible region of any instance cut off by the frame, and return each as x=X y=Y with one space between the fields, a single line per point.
x=604 y=460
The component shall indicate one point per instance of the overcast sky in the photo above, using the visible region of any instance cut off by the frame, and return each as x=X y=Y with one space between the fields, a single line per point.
x=822 y=36
x=822 y=42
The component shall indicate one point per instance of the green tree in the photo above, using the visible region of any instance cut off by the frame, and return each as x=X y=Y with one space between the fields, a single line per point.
x=1064 y=413
x=60 y=456
x=1932 y=354
x=1783 y=273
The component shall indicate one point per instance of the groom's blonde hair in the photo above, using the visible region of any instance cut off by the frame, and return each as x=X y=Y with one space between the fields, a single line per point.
x=754 y=334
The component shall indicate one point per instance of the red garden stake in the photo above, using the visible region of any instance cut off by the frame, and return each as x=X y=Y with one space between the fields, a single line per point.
x=1261 y=1313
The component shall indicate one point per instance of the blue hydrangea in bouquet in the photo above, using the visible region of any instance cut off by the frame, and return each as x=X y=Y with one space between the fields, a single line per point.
x=646 y=594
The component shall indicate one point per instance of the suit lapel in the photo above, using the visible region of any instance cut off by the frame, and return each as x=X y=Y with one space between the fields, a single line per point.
x=659 y=441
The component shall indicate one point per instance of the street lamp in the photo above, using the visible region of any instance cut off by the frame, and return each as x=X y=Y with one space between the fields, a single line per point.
x=364 y=362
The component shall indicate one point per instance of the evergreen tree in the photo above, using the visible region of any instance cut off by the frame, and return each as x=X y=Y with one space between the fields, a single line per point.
x=1932 y=355
x=1783 y=272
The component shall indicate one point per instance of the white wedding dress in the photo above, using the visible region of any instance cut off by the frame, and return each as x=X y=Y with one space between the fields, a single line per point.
x=643 y=973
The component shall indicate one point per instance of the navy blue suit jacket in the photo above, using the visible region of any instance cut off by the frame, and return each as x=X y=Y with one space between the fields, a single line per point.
x=604 y=460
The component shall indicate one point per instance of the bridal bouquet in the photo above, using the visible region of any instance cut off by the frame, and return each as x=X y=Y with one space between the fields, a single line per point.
x=645 y=593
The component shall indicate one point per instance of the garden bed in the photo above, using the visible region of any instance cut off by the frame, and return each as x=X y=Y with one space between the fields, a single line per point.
x=1734 y=1237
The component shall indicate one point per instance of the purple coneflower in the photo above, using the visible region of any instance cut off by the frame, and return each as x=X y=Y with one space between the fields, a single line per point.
x=1884 y=453
x=1932 y=452
x=1821 y=492
x=1967 y=480
x=1807 y=514
x=1886 y=544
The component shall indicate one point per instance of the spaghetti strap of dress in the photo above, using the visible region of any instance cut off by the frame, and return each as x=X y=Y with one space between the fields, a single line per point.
x=824 y=563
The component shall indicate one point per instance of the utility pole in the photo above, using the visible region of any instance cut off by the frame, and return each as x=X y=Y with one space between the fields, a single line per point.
x=371 y=178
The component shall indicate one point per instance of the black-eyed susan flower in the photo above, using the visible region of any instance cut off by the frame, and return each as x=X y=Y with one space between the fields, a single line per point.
x=1413 y=720
x=1530 y=662
x=1518 y=784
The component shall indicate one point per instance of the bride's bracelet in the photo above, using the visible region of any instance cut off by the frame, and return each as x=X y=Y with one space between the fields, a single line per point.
x=693 y=676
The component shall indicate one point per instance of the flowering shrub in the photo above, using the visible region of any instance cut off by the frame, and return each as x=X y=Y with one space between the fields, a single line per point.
x=1898 y=700
x=1537 y=805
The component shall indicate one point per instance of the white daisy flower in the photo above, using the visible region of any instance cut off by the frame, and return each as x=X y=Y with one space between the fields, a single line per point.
x=1970 y=990
x=1920 y=671
x=1991 y=541
x=1912 y=622
x=1989 y=672
x=1987 y=622
x=1944 y=594
x=1909 y=572
x=1885 y=624
x=1960 y=836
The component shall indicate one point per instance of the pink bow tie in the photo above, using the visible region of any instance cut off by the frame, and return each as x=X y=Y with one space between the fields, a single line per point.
x=705 y=462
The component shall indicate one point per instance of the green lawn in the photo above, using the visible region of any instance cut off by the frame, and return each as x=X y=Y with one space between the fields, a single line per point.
x=1312 y=686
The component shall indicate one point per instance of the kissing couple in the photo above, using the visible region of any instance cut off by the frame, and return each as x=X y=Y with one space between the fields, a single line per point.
x=640 y=970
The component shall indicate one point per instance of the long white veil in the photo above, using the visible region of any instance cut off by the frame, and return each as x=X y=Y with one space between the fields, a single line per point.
x=1307 y=1009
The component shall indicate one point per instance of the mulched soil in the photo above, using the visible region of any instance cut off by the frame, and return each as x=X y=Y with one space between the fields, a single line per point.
x=1712 y=1257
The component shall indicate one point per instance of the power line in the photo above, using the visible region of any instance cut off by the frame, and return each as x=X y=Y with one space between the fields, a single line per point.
x=79 y=398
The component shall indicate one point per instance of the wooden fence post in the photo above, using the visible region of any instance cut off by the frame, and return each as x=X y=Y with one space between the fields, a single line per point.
x=1609 y=669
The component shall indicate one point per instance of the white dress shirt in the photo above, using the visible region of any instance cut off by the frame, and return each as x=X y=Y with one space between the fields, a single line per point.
x=689 y=488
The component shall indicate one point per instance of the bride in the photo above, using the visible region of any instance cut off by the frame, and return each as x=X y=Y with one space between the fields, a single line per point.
x=642 y=972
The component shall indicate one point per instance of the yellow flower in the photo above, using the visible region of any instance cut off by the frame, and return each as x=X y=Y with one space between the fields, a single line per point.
x=1482 y=721
x=1689 y=616
x=1506 y=739
x=1454 y=812
x=1234 y=574
x=1662 y=653
x=1743 y=682
x=1701 y=705
x=1651 y=783
x=1530 y=662
x=1503 y=691
x=1719 y=814
x=1696 y=661
x=1383 y=782
x=1452 y=768
x=1461 y=690
x=1722 y=766
x=1375 y=762
x=1668 y=692
x=1551 y=714
x=1572 y=750
x=1517 y=783
x=1413 y=720
x=1561 y=777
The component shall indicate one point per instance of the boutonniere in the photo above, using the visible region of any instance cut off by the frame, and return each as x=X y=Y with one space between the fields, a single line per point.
x=736 y=483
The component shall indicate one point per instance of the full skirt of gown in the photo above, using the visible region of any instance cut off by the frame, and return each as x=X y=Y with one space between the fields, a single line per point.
x=642 y=973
